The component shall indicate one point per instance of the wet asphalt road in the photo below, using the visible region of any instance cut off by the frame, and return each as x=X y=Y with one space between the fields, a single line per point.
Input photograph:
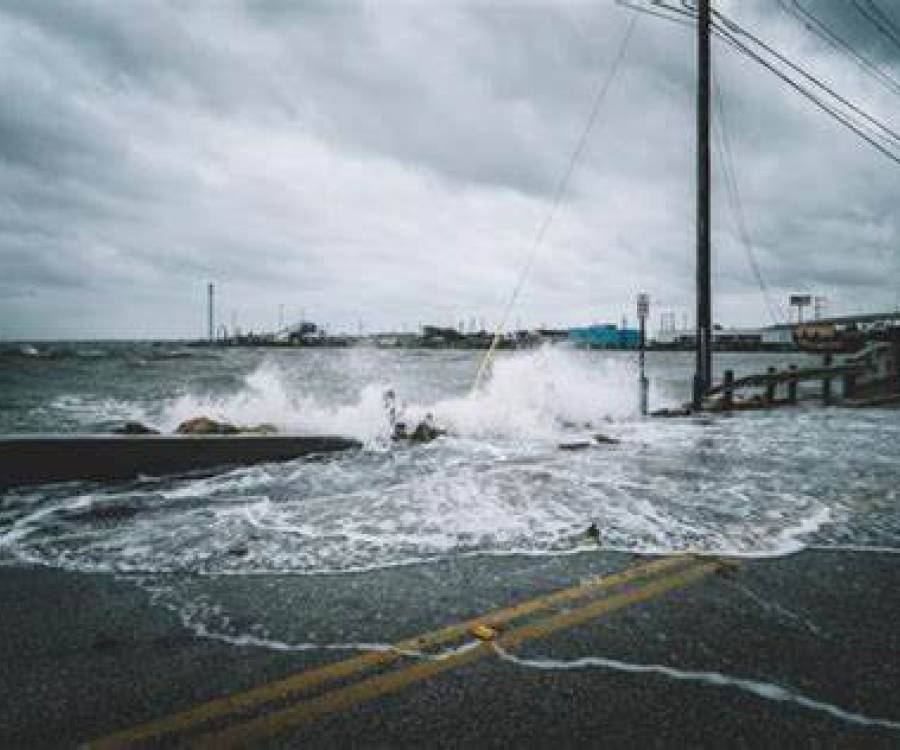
x=86 y=655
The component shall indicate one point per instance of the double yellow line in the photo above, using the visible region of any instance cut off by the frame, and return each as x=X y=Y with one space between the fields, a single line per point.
x=202 y=722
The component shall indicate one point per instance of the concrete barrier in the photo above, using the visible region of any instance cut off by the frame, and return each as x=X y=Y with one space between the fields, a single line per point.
x=38 y=459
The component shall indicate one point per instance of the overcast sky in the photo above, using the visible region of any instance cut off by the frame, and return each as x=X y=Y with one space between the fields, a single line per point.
x=391 y=162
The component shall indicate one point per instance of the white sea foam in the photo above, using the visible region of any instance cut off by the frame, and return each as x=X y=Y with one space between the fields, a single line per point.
x=528 y=397
x=532 y=396
x=268 y=398
x=91 y=410
x=766 y=690
x=758 y=486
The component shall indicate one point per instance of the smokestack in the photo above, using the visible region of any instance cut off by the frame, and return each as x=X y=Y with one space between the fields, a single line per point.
x=211 y=320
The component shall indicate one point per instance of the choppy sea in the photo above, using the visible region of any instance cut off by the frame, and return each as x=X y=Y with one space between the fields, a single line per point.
x=749 y=484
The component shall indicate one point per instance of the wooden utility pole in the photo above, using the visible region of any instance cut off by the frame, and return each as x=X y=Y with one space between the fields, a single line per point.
x=703 y=373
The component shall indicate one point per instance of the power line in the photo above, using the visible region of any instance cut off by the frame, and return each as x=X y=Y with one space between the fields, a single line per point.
x=809 y=20
x=647 y=11
x=824 y=106
x=818 y=27
x=874 y=139
x=884 y=25
x=892 y=134
x=884 y=17
x=734 y=197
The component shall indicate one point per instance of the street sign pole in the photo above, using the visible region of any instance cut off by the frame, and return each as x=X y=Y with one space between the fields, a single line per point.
x=643 y=311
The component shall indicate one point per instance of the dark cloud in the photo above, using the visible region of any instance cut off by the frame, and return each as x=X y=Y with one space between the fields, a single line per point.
x=392 y=161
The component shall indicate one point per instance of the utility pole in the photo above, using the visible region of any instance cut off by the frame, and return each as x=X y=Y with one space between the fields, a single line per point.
x=703 y=373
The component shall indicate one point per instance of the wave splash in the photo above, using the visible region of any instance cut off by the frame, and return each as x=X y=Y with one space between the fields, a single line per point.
x=530 y=396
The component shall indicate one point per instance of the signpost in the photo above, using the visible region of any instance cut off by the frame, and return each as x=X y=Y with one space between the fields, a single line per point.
x=800 y=301
x=643 y=311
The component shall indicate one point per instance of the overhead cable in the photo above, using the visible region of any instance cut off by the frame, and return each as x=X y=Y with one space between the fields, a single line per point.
x=732 y=26
x=734 y=197
x=558 y=195
x=883 y=141
x=804 y=92
x=882 y=23
x=647 y=11
x=818 y=27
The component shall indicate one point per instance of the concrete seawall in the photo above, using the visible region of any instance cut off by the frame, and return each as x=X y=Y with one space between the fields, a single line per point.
x=38 y=459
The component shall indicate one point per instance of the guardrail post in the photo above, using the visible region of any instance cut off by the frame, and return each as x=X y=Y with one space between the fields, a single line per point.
x=770 y=388
x=849 y=384
x=826 y=382
x=792 y=387
x=728 y=389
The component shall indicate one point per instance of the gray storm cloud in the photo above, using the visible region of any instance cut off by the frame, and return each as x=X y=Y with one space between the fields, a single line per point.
x=391 y=162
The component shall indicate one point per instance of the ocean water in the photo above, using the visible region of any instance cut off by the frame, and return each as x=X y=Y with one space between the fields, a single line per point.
x=751 y=484
x=356 y=551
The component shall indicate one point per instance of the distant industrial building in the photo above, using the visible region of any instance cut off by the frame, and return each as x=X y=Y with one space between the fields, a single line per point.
x=774 y=337
x=606 y=336
x=299 y=333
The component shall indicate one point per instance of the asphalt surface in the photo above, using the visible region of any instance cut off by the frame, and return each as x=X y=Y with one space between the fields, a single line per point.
x=87 y=655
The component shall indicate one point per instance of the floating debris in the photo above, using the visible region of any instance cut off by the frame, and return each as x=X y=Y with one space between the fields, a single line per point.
x=483 y=632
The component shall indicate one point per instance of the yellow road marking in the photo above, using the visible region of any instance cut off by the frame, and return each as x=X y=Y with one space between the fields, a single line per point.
x=279 y=722
x=304 y=681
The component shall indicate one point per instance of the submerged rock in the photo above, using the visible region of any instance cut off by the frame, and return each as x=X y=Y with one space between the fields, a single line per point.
x=205 y=426
x=135 y=428
x=425 y=432
x=606 y=439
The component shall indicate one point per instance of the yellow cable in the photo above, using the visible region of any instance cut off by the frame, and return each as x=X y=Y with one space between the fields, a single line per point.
x=557 y=199
x=486 y=359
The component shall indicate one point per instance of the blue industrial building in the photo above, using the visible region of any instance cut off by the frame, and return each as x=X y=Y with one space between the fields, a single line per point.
x=605 y=337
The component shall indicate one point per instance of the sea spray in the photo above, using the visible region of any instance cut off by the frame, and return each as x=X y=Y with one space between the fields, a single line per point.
x=530 y=395
x=537 y=395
